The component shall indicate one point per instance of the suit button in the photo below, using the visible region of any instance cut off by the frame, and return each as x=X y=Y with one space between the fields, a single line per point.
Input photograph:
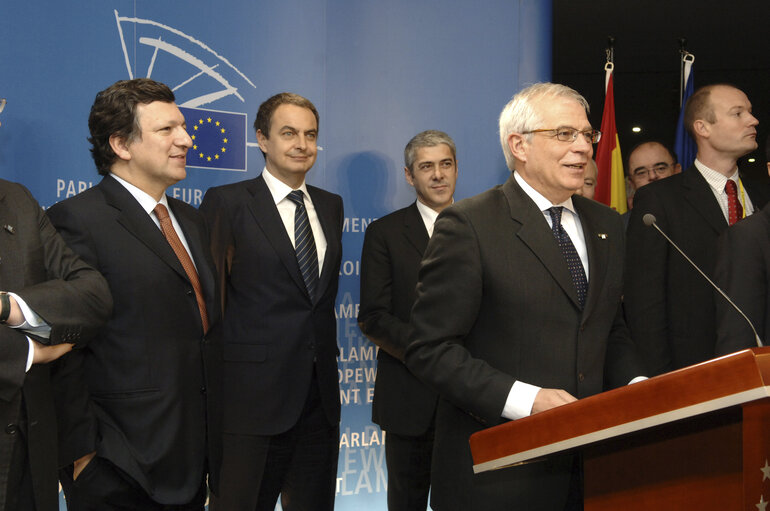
x=189 y=292
x=11 y=429
x=581 y=377
x=203 y=390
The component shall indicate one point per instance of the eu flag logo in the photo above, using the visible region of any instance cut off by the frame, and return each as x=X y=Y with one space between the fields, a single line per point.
x=219 y=139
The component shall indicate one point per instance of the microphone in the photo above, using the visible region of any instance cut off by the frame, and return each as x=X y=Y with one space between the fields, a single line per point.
x=650 y=220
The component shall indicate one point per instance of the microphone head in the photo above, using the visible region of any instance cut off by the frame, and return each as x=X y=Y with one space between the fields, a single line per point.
x=648 y=219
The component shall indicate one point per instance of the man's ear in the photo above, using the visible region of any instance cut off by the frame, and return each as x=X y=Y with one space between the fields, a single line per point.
x=119 y=146
x=701 y=128
x=261 y=140
x=517 y=143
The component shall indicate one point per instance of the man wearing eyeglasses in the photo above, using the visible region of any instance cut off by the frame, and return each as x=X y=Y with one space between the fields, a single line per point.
x=50 y=301
x=650 y=161
x=669 y=306
x=518 y=306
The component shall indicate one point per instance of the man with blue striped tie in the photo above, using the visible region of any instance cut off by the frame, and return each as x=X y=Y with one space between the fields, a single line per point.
x=277 y=246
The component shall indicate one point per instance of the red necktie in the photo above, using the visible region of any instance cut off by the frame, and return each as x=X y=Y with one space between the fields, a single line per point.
x=734 y=208
x=181 y=253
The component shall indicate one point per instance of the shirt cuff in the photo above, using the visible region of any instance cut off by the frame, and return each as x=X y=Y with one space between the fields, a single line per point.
x=638 y=379
x=30 y=355
x=520 y=400
x=33 y=323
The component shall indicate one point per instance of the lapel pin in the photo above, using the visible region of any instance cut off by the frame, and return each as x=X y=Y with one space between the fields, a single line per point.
x=602 y=236
x=10 y=228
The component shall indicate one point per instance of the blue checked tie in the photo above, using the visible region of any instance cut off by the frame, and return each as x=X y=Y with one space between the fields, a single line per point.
x=304 y=244
x=570 y=255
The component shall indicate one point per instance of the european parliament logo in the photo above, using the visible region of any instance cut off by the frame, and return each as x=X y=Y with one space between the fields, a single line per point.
x=219 y=139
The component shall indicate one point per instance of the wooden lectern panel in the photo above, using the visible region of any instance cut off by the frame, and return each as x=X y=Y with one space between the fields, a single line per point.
x=696 y=390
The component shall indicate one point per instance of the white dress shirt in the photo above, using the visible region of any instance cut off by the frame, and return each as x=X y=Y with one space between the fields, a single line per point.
x=286 y=208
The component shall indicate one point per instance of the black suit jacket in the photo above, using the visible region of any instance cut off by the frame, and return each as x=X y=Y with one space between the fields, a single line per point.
x=669 y=306
x=743 y=272
x=137 y=393
x=496 y=304
x=72 y=298
x=273 y=333
x=393 y=249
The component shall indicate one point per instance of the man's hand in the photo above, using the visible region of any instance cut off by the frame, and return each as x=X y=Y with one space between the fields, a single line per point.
x=550 y=398
x=43 y=354
x=80 y=464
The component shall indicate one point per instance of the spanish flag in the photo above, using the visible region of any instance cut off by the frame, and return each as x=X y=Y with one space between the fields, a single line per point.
x=610 y=183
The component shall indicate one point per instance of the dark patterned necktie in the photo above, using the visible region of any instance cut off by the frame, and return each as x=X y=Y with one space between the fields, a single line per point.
x=181 y=253
x=304 y=244
x=570 y=255
x=734 y=207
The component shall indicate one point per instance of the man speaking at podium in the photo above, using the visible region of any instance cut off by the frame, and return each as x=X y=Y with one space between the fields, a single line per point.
x=518 y=306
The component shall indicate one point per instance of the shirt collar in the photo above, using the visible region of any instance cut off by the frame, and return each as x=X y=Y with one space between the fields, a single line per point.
x=715 y=179
x=144 y=199
x=278 y=189
x=540 y=201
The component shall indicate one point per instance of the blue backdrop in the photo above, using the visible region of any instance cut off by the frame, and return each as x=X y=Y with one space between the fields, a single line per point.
x=378 y=72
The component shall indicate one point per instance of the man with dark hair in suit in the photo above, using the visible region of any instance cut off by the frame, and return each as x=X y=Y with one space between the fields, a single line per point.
x=393 y=246
x=51 y=300
x=518 y=306
x=133 y=404
x=669 y=306
x=743 y=272
x=277 y=244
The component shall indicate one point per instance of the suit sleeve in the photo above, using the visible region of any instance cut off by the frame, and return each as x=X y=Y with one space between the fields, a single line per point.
x=75 y=299
x=645 y=284
x=741 y=272
x=449 y=296
x=77 y=424
x=376 y=318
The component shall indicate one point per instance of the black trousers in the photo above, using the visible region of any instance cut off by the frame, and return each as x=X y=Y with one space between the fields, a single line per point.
x=300 y=465
x=408 y=459
x=102 y=486
x=19 y=492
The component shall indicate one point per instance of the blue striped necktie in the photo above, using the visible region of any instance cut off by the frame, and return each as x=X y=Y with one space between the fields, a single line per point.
x=304 y=244
x=570 y=255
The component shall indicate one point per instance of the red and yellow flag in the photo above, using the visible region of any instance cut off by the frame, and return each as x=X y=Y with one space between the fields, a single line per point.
x=610 y=182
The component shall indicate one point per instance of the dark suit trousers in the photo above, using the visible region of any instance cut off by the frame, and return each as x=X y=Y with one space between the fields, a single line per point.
x=102 y=486
x=19 y=493
x=299 y=464
x=408 y=459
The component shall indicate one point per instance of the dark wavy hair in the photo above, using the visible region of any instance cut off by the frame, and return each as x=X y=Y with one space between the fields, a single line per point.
x=114 y=113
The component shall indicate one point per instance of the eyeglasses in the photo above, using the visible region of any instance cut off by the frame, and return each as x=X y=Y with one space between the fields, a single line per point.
x=660 y=169
x=2 y=104
x=565 y=134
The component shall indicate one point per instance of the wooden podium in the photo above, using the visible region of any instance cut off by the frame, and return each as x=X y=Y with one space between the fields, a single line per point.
x=696 y=438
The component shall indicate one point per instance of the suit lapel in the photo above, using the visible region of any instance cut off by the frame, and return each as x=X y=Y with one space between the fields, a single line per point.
x=136 y=221
x=414 y=229
x=329 y=223
x=268 y=219
x=700 y=196
x=200 y=254
x=11 y=265
x=534 y=232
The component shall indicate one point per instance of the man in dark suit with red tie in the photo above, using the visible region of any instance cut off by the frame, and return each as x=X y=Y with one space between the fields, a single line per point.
x=669 y=306
x=518 y=306
x=393 y=247
x=277 y=246
x=133 y=404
